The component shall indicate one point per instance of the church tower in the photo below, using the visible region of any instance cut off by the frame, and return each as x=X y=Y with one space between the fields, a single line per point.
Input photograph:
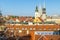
x=40 y=10
x=0 y=13
x=44 y=11
x=37 y=12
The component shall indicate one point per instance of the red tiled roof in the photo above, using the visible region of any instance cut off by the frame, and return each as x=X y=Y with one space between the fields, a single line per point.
x=41 y=19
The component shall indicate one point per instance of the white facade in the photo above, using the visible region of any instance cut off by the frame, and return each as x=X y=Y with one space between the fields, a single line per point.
x=37 y=14
x=43 y=16
x=30 y=23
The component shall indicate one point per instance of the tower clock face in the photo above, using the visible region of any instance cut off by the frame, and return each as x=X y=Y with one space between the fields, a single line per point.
x=44 y=9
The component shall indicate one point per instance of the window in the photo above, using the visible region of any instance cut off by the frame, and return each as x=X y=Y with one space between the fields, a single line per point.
x=11 y=30
x=30 y=28
x=22 y=28
x=17 y=28
x=20 y=31
x=33 y=28
x=25 y=28
x=44 y=29
x=40 y=29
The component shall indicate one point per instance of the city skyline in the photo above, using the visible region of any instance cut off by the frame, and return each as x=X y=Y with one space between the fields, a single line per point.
x=27 y=7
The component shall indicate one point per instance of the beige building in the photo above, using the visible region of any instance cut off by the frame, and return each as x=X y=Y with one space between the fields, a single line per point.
x=55 y=19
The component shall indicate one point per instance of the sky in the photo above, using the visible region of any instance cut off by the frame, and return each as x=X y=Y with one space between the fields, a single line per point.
x=27 y=7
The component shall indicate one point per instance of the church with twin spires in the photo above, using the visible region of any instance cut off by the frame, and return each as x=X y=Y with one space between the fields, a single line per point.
x=40 y=14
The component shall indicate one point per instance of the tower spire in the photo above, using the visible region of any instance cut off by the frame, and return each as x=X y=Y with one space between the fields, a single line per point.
x=44 y=11
x=36 y=9
x=44 y=5
x=0 y=13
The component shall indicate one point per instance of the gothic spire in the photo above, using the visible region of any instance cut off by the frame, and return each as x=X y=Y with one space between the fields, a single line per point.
x=44 y=5
x=36 y=9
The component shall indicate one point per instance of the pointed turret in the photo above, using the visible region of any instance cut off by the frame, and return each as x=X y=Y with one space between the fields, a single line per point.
x=44 y=5
x=37 y=12
x=0 y=13
x=36 y=9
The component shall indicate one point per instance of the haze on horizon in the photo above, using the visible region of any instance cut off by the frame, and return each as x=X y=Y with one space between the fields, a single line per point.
x=27 y=7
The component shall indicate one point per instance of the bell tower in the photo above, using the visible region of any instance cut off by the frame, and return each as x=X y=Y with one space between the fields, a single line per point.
x=44 y=11
x=0 y=13
x=36 y=12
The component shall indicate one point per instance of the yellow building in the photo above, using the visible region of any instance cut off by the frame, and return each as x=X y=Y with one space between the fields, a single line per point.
x=37 y=20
